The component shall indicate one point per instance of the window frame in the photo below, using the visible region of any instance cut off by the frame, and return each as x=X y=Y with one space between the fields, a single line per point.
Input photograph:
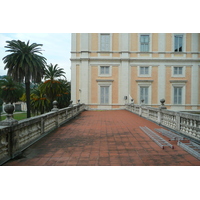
x=109 y=42
x=144 y=75
x=178 y=36
x=176 y=100
x=149 y=86
x=183 y=42
x=149 y=42
x=105 y=84
x=106 y=98
x=178 y=75
x=146 y=98
x=104 y=75
x=178 y=85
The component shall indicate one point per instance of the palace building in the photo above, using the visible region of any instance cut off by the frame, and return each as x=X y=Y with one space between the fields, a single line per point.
x=110 y=69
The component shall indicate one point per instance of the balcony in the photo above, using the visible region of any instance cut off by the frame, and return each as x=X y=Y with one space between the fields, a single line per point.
x=71 y=137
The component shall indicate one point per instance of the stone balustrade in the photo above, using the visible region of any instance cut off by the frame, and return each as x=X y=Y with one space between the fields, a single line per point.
x=14 y=139
x=182 y=122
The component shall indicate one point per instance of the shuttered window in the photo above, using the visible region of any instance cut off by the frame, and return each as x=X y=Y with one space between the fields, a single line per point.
x=178 y=43
x=178 y=70
x=104 y=94
x=144 y=94
x=177 y=95
x=144 y=70
x=105 y=42
x=144 y=43
x=104 y=70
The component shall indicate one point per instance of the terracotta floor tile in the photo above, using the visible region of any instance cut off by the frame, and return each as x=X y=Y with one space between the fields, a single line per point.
x=106 y=138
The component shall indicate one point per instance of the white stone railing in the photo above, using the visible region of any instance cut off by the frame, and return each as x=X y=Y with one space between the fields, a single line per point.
x=14 y=139
x=184 y=123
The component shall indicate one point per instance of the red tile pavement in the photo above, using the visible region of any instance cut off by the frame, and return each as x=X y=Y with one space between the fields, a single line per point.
x=103 y=138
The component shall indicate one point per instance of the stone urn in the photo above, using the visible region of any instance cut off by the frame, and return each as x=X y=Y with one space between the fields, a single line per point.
x=142 y=102
x=9 y=121
x=132 y=101
x=162 y=101
x=71 y=103
x=55 y=106
x=9 y=109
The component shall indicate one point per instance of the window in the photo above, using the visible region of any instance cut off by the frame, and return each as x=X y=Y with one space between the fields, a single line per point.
x=144 y=43
x=178 y=70
x=144 y=94
x=104 y=94
x=144 y=70
x=105 y=42
x=178 y=95
x=104 y=70
x=178 y=43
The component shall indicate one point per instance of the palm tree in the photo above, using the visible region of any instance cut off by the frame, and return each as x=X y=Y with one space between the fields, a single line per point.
x=10 y=91
x=52 y=85
x=39 y=102
x=24 y=64
x=65 y=97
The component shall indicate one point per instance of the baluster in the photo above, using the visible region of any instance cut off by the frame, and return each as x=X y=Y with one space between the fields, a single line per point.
x=191 y=126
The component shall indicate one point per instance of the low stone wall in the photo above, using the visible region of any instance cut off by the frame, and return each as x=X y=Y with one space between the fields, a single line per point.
x=14 y=139
x=184 y=123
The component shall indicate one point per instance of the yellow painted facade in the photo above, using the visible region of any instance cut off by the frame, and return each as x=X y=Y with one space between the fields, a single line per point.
x=94 y=85
x=123 y=55
x=134 y=42
x=155 y=84
x=133 y=85
x=155 y=42
x=115 y=42
x=168 y=42
x=188 y=77
x=94 y=42
x=115 y=88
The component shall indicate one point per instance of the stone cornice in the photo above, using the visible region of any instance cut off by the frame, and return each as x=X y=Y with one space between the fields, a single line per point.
x=104 y=80
x=178 y=81
x=138 y=52
x=111 y=59
x=144 y=80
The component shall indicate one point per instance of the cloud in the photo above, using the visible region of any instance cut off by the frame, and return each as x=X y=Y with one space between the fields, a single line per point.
x=56 y=48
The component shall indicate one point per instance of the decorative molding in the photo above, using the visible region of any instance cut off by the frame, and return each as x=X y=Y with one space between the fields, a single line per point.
x=104 y=80
x=111 y=59
x=140 y=52
x=144 y=80
x=178 y=81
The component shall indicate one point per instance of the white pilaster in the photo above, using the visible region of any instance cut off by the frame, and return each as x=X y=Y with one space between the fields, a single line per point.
x=124 y=69
x=73 y=42
x=73 y=82
x=161 y=83
x=84 y=80
x=195 y=42
x=73 y=68
x=161 y=43
x=194 y=85
x=84 y=42
x=124 y=41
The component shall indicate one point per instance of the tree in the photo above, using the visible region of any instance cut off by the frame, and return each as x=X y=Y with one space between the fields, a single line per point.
x=39 y=102
x=10 y=91
x=24 y=64
x=65 y=97
x=52 y=85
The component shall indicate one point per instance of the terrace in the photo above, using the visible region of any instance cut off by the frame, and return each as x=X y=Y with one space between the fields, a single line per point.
x=75 y=137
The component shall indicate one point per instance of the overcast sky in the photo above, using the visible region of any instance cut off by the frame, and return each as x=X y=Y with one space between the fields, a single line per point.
x=56 y=48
